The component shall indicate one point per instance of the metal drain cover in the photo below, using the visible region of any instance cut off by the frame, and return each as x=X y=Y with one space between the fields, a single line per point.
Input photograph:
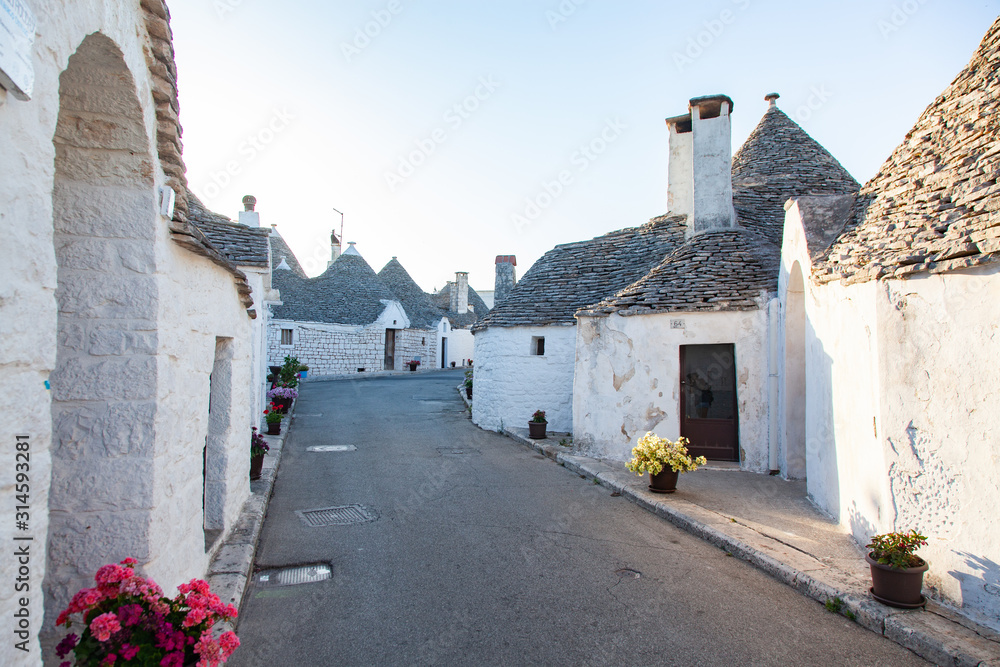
x=332 y=448
x=292 y=576
x=337 y=516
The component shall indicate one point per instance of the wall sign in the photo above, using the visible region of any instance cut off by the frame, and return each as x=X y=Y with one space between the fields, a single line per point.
x=17 y=35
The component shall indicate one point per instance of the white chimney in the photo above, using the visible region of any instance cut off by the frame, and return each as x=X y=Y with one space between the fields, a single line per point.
x=700 y=179
x=248 y=216
x=334 y=248
x=460 y=293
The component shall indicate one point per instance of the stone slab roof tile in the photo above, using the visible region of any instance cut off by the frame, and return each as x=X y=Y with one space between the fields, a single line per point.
x=574 y=275
x=714 y=271
x=934 y=206
x=465 y=320
x=423 y=313
x=242 y=245
x=281 y=251
x=348 y=292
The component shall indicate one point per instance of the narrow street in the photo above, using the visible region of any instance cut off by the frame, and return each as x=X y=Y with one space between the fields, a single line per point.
x=483 y=552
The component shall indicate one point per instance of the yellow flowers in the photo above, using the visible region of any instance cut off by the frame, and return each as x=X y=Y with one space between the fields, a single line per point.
x=654 y=453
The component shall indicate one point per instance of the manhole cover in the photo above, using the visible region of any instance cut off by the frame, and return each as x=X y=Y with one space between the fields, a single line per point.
x=332 y=448
x=291 y=576
x=337 y=516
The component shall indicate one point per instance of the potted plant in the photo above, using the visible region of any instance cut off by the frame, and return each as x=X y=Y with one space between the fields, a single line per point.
x=537 y=424
x=258 y=448
x=303 y=371
x=897 y=572
x=663 y=460
x=281 y=397
x=273 y=419
x=413 y=364
x=288 y=374
x=468 y=384
x=127 y=616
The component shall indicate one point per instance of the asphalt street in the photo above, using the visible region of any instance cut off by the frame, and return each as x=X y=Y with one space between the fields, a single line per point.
x=481 y=551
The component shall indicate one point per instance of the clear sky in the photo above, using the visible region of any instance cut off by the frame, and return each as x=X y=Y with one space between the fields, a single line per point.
x=440 y=128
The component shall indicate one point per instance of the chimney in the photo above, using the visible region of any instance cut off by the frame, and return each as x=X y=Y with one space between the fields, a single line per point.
x=700 y=179
x=460 y=293
x=506 y=278
x=248 y=216
x=334 y=248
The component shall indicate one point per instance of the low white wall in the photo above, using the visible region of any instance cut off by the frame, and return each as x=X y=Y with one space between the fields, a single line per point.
x=461 y=347
x=628 y=379
x=511 y=383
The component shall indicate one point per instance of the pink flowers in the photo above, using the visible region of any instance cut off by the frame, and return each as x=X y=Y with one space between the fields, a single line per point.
x=129 y=617
x=104 y=626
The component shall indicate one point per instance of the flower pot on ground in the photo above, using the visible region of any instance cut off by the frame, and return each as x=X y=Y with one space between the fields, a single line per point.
x=663 y=460
x=413 y=365
x=537 y=425
x=897 y=572
x=468 y=382
x=273 y=419
x=127 y=616
x=258 y=449
x=281 y=397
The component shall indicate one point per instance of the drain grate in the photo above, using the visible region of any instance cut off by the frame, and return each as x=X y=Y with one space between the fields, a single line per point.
x=337 y=516
x=292 y=576
x=332 y=448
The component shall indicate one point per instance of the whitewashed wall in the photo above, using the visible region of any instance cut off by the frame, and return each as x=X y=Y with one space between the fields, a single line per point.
x=462 y=347
x=902 y=393
x=511 y=383
x=628 y=379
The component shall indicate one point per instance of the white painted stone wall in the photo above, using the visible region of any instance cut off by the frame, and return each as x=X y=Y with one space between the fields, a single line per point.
x=462 y=347
x=511 y=383
x=902 y=393
x=628 y=379
x=159 y=391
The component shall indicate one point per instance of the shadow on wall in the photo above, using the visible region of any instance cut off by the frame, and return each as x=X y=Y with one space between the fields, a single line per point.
x=822 y=471
x=983 y=591
x=861 y=528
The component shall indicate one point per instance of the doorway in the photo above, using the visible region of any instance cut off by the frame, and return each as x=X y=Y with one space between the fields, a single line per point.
x=390 y=349
x=708 y=401
x=444 y=353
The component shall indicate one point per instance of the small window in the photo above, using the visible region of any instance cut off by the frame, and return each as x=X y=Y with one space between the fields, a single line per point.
x=286 y=336
x=538 y=346
x=423 y=341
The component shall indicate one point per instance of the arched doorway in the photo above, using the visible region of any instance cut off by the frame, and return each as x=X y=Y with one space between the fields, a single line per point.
x=795 y=375
x=104 y=382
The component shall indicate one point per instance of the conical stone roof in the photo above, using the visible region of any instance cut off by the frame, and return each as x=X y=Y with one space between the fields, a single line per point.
x=780 y=160
x=419 y=308
x=348 y=292
x=935 y=204
x=281 y=251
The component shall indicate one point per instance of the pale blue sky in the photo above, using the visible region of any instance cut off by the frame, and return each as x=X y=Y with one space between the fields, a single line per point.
x=338 y=122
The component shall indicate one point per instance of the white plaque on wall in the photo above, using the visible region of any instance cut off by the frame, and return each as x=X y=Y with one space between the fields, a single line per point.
x=17 y=34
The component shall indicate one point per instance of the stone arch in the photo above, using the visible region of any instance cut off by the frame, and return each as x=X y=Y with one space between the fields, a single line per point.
x=795 y=375
x=105 y=224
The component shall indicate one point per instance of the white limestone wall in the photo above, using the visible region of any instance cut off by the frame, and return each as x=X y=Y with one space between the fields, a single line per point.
x=462 y=347
x=511 y=383
x=416 y=344
x=328 y=349
x=628 y=379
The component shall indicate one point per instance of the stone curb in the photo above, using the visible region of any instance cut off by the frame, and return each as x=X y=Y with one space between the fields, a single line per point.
x=937 y=634
x=231 y=567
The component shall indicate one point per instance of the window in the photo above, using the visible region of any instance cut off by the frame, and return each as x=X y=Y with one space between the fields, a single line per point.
x=423 y=341
x=538 y=346
x=286 y=336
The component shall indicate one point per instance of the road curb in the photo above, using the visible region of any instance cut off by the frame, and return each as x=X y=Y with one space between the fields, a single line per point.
x=231 y=566
x=936 y=634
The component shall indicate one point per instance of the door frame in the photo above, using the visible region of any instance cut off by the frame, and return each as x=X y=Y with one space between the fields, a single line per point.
x=736 y=404
x=390 y=353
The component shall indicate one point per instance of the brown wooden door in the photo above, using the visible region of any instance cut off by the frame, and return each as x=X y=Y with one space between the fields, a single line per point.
x=709 y=417
x=390 y=349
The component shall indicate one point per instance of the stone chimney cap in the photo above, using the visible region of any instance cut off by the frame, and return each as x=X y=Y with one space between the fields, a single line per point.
x=507 y=259
x=770 y=98
x=711 y=101
x=249 y=202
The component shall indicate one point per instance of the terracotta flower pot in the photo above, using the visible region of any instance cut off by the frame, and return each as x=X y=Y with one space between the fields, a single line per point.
x=897 y=587
x=256 y=465
x=664 y=482
x=536 y=430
